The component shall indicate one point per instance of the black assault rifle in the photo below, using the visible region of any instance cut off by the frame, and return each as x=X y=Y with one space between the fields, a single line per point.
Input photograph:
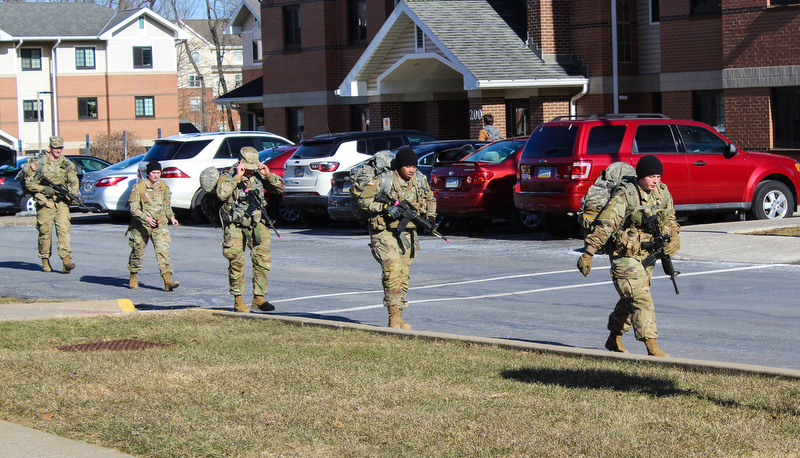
x=63 y=191
x=409 y=214
x=659 y=242
x=253 y=204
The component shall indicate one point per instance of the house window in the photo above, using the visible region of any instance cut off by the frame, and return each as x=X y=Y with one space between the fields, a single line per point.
x=145 y=107
x=297 y=122
x=142 y=57
x=624 y=31
x=195 y=57
x=291 y=27
x=141 y=23
x=357 y=21
x=359 y=117
x=195 y=104
x=709 y=107
x=786 y=116
x=237 y=57
x=31 y=59
x=706 y=6
x=194 y=81
x=420 y=40
x=87 y=108
x=238 y=80
x=32 y=111
x=84 y=58
x=256 y=50
x=655 y=12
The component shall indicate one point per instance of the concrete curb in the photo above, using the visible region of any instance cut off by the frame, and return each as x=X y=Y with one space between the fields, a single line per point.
x=689 y=364
x=39 y=310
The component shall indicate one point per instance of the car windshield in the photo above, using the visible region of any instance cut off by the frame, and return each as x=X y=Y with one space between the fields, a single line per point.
x=127 y=162
x=165 y=150
x=551 y=141
x=495 y=153
x=314 y=149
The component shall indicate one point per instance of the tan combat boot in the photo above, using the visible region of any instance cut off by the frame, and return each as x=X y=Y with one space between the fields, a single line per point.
x=68 y=264
x=46 y=265
x=396 y=318
x=133 y=283
x=261 y=304
x=652 y=348
x=239 y=305
x=169 y=285
x=614 y=343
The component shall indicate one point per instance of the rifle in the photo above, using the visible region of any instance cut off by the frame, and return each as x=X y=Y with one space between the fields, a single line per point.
x=659 y=242
x=409 y=214
x=253 y=204
x=62 y=191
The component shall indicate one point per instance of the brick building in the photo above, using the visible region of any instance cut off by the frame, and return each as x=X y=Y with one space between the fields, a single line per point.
x=95 y=70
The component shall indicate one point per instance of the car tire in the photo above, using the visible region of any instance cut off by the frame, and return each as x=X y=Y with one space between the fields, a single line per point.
x=27 y=204
x=119 y=217
x=526 y=221
x=197 y=208
x=472 y=223
x=315 y=219
x=772 y=200
x=282 y=213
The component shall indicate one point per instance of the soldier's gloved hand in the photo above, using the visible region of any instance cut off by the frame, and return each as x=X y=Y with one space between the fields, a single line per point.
x=393 y=211
x=432 y=222
x=48 y=191
x=673 y=246
x=585 y=264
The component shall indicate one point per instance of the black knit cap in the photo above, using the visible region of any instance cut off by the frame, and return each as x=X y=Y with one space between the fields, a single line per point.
x=649 y=165
x=405 y=156
x=153 y=165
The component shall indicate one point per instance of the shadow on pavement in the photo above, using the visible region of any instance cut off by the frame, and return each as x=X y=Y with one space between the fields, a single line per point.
x=119 y=282
x=22 y=265
x=317 y=316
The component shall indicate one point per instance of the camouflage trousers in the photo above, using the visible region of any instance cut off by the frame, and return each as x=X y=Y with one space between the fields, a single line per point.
x=53 y=213
x=395 y=263
x=138 y=236
x=234 y=242
x=635 y=307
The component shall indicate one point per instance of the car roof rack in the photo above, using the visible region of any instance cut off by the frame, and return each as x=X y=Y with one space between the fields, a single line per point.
x=629 y=115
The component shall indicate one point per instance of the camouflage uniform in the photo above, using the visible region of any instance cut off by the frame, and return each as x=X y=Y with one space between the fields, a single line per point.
x=620 y=221
x=153 y=200
x=52 y=209
x=243 y=230
x=395 y=251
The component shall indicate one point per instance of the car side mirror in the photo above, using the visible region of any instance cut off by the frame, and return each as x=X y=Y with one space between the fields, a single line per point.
x=730 y=151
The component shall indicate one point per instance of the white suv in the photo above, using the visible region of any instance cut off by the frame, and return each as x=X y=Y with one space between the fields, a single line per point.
x=183 y=157
x=309 y=171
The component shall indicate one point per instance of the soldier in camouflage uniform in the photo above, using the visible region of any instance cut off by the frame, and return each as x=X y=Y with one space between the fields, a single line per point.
x=52 y=209
x=395 y=250
x=241 y=188
x=151 y=213
x=620 y=224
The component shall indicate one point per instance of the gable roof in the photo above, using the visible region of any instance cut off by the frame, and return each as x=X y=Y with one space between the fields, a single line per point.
x=245 y=9
x=488 y=53
x=68 y=20
x=249 y=92
x=201 y=28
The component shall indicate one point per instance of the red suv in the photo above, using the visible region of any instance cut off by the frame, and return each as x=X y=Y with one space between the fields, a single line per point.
x=707 y=175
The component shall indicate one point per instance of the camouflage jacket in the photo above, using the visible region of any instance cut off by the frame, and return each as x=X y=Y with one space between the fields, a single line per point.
x=415 y=191
x=59 y=171
x=151 y=199
x=242 y=196
x=618 y=227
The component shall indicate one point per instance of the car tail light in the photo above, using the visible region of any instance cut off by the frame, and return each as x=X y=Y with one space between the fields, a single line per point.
x=324 y=166
x=173 y=172
x=481 y=176
x=434 y=179
x=524 y=172
x=2 y=180
x=581 y=170
x=108 y=181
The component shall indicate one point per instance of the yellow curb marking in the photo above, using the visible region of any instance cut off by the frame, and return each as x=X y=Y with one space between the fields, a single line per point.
x=126 y=305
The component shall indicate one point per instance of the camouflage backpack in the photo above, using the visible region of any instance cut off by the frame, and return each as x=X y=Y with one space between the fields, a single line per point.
x=380 y=163
x=210 y=203
x=24 y=170
x=617 y=175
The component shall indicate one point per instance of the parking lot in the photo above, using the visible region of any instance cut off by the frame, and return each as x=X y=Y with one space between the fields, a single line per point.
x=497 y=284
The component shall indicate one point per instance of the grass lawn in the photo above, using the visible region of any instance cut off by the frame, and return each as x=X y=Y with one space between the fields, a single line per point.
x=233 y=387
x=786 y=231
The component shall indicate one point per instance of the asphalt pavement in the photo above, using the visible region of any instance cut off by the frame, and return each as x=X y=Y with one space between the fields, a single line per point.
x=727 y=241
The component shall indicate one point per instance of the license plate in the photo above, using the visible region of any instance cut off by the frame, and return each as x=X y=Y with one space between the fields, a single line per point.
x=451 y=182
x=545 y=172
x=298 y=171
x=346 y=187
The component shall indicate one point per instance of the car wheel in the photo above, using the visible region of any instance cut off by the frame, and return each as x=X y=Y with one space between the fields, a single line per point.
x=197 y=207
x=315 y=219
x=282 y=213
x=472 y=223
x=526 y=221
x=772 y=200
x=119 y=217
x=27 y=204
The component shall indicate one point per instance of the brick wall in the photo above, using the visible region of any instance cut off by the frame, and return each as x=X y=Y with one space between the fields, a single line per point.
x=452 y=120
x=10 y=107
x=689 y=42
x=748 y=123
x=678 y=104
x=495 y=106
x=749 y=28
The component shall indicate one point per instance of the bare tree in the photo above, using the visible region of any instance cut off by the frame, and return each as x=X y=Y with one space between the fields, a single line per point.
x=216 y=10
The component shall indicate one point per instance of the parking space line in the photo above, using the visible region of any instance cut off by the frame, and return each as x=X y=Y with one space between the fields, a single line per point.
x=538 y=290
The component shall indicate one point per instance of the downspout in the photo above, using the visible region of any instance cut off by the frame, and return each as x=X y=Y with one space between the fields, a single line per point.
x=242 y=110
x=16 y=48
x=614 y=57
x=54 y=87
x=573 y=102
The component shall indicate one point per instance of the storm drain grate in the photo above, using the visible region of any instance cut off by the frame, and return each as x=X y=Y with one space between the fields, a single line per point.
x=114 y=345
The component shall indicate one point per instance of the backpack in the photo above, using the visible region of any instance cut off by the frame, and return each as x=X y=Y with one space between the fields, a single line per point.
x=493 y=133
x=372 y=168
x=23 y=171
x=617 y=175
x=210 y=203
